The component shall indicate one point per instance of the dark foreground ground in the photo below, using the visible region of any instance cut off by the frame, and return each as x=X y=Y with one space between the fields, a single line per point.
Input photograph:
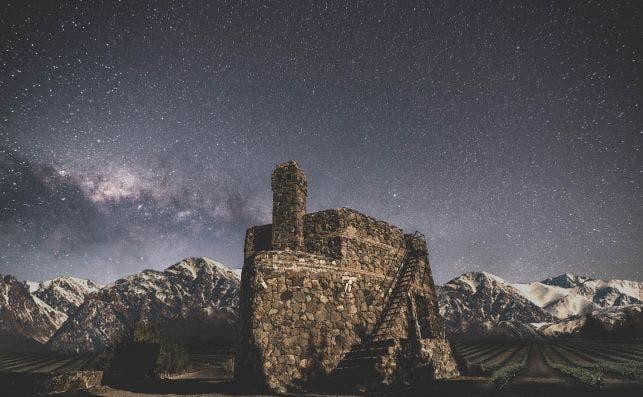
x=211 y=378
x=538 y=380
x=459 y=387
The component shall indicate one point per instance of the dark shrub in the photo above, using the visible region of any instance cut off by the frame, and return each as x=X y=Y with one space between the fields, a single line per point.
x=134 y=360
x=145 y=352
x=173 y=356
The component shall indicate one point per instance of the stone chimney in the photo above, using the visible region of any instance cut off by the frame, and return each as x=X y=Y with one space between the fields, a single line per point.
x=289 y=189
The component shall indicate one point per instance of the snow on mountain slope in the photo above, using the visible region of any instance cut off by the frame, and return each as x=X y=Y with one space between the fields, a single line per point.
x=541 y=294
x=569 y=295
x=570 y=305
x=32 y=285
x=198 y=298
x=25 y=320
x=481 y=304
x=587 y=285
x=627 y=287
x=65 y=294
x=194 y=299
x=628 y=317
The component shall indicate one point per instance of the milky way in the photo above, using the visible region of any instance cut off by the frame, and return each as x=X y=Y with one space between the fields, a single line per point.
x=133 y=135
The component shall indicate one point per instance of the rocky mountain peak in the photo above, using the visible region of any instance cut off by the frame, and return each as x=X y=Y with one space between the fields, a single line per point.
x=65 y=293
x=25 y=321
x=477 y=282
x=196 y=266
x=478 y=303
x=566 y=280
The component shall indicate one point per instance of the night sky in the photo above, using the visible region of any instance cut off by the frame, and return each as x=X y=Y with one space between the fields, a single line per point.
x=133 y=135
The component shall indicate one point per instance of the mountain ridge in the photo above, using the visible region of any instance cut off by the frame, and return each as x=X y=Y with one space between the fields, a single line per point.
x=198 y=296
x=26 y=322
x=192 y=298
x=563 y=304
x=65 y=293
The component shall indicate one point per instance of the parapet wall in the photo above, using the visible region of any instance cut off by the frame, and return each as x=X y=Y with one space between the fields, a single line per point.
x=362 y=242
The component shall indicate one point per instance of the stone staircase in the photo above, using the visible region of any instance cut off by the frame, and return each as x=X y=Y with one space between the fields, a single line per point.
x=396 y=300
x=360 y=365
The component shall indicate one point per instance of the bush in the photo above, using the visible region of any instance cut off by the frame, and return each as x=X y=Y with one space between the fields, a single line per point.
x=173 y=356
x=134 y=360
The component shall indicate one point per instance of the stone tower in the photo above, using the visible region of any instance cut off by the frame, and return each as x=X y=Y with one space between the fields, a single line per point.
x=289 y=189
x=335 y=297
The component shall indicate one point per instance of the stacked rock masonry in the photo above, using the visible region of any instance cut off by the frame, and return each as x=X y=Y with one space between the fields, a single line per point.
x=335 y=295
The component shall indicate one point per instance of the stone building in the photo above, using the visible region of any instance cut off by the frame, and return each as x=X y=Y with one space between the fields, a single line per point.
x=335 y=295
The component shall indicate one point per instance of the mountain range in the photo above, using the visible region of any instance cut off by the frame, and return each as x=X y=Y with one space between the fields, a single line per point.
x=196 y=301
x=26 y=322
x=65 y=294
x=481 y=304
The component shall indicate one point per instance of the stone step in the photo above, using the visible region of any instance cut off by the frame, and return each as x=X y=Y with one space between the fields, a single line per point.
x=361 y=362
x=366 y=352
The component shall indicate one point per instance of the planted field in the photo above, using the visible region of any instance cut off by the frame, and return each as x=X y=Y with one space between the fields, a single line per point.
x=593 y=361
x=588 y=362
x=35 y=374
x=43 y=363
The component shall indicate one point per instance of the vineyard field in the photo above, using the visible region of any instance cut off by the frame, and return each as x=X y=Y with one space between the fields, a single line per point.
x=45 y=363
x=594 y=364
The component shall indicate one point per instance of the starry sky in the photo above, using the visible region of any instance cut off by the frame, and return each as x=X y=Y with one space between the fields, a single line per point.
x=136 y=133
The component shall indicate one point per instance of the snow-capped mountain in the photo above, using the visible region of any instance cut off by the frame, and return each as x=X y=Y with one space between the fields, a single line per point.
x=481 y=304
x=26 y=322
x=32 y=285
x=569 y=295
x=614 y=318
x=194 y=299
x=65 y=294
x=198 y=298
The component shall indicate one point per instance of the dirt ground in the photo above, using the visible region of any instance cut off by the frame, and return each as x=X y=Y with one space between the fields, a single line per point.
x=538 y=380
x=459 y=387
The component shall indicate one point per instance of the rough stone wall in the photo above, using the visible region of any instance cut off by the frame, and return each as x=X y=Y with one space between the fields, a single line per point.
x=424 y=288
x=303 y=312
x=258 y=238
x=437 y=352
x=417 y=361
x=303 y=316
